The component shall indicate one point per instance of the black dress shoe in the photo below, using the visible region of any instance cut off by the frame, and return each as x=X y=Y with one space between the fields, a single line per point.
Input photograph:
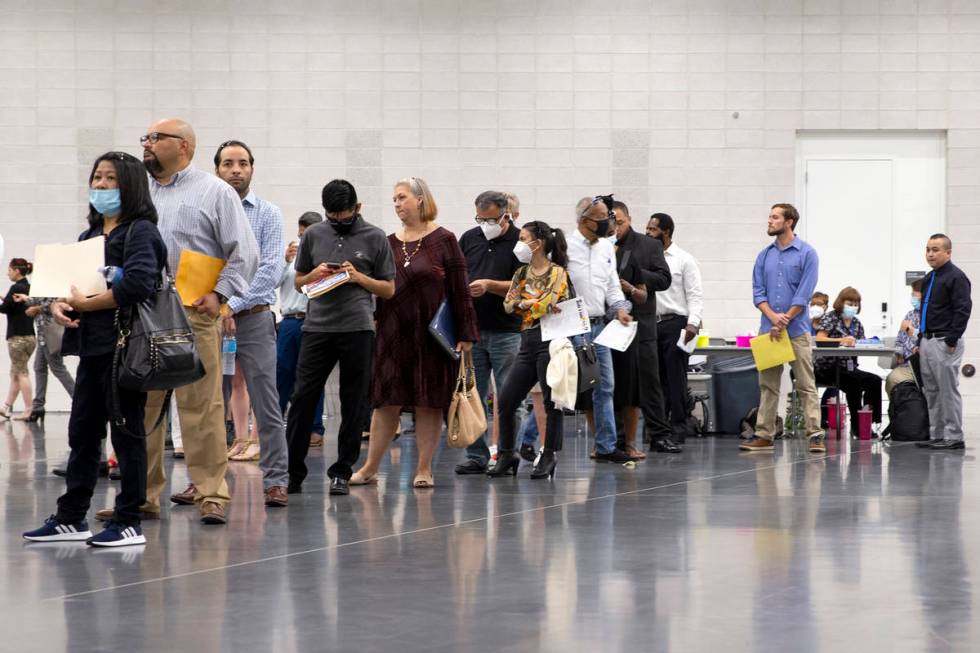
x=528 y=452
x=926 y=444
x=60 y=471
x=294 y=488
x=471 y=467
x=339 y=486
x=103 y=470
x=666 y=445
x=948 y=444
x=615 y=456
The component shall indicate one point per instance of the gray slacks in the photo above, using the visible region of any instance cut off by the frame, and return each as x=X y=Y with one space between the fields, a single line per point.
x=941 y=385
x=44 y=361
x=256 y=338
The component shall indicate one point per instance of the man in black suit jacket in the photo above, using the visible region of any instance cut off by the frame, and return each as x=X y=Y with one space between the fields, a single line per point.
x=649 y=253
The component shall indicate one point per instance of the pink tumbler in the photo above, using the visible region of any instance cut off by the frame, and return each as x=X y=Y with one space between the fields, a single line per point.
x=864 y=423
x=832 y=416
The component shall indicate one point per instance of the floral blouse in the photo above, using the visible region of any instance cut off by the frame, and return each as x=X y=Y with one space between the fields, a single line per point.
x=833 y=324
x=545 y=290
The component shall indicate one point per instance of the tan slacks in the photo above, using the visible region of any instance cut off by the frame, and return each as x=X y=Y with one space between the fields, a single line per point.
x=901 y=374
x=202 y=420
x=806 y=388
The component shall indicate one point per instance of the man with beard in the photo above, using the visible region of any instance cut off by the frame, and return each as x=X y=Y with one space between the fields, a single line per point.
x=252 y=323
x=783 y=280
x=198 y=213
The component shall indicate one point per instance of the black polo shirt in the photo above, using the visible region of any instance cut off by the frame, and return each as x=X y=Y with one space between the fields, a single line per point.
x=495 y=260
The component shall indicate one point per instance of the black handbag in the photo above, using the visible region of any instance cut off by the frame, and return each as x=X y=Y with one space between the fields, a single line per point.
x=155 y=348
x=588 y=367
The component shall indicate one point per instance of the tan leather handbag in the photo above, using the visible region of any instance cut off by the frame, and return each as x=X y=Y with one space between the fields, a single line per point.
x=467 y=416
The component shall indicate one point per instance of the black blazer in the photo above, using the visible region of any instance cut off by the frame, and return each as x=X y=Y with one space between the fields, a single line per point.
x=649 y=254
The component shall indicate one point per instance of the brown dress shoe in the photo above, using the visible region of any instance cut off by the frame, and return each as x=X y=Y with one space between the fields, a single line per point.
x=275 y=497
x=213 y=512
x=185 y=498
x=106 y=514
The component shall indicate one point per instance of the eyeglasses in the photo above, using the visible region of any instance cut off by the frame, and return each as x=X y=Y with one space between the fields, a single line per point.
x=480 y=220
x=153 y=137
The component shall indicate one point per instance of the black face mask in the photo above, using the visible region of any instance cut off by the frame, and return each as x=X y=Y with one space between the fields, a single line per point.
x=343 y=228
x=602 y=228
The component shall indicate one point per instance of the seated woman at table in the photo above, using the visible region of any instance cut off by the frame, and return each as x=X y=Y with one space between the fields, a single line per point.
x=819 y=303
x=841 y=324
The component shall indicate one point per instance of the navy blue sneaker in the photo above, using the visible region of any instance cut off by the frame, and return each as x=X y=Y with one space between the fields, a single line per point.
x=116 y=534
x=55 y=531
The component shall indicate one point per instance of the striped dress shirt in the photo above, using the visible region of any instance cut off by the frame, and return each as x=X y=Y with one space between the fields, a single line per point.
x=265 y=219
x=204 y=214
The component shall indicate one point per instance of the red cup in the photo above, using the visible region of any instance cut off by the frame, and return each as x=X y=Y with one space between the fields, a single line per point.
x=864 y=423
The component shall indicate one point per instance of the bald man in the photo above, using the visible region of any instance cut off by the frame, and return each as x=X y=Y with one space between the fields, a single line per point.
x=198 y=213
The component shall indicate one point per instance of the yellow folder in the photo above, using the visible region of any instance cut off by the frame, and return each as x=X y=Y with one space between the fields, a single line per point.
x=197 y=275
x=770 y=353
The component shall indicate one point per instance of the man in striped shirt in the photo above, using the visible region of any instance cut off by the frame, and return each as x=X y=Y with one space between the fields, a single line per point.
x=252 y=323
x=200 y=213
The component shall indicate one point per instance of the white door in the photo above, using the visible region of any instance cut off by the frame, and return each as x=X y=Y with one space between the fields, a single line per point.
x=848 y=218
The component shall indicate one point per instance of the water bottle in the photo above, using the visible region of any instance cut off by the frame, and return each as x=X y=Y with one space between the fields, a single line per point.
x=229 y=347
x=113 y=274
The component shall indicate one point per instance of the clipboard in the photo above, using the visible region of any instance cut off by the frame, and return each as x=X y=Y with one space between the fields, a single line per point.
x=197 y=275
x=771 y=353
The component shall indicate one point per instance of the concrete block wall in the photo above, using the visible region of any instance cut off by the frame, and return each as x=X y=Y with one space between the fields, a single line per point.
x=551 y=99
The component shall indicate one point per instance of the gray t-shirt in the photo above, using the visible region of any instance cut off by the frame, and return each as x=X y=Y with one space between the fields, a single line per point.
x=348 y=307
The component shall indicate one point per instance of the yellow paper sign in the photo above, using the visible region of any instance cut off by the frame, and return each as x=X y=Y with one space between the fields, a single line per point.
x=770 y=353
x=197 y=275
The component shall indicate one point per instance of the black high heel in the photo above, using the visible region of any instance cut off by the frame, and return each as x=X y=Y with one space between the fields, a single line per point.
x=507 y=463
x=36 y=416
x=545 y=468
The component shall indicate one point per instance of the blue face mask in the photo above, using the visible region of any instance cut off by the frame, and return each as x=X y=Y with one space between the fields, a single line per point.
x=916 y=303
x=105 y=202
x=850 y=311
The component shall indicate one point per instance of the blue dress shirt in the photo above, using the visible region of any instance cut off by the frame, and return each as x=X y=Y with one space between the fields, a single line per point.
x=784 y=278
x=265 y=219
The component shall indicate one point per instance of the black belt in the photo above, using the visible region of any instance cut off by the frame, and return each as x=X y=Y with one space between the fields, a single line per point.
x=597 y=320
x=670 y=316
x=294 y=316
x=933 y=334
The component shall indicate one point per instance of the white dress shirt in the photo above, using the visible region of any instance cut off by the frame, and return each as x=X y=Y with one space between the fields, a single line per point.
x=592 y=269
x=684 y=297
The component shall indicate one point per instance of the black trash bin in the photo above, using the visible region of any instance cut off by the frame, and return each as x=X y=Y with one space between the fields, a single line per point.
x=734 y=390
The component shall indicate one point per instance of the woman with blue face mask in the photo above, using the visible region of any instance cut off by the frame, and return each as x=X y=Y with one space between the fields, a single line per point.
x=841 y=325
x=123 y=217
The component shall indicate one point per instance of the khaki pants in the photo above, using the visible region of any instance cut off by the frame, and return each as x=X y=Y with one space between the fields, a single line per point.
x=202 y=420
x=902 y=374
x=806 y=388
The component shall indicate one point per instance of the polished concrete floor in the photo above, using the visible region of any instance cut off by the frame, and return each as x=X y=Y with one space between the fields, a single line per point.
x=870 y=548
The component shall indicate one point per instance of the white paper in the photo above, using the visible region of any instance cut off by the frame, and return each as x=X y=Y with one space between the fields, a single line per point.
x=617 y=335
x=689 y=347
x=572 y=321
x=59 y=267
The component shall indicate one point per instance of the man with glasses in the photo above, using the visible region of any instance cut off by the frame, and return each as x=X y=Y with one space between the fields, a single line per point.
x=251 y=321
x=592 y=270
x=490 y=261
x=198 y=213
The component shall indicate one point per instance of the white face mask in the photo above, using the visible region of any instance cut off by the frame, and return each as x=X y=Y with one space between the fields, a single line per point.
x=523 y=252
x=491 y=229
x=816 y=312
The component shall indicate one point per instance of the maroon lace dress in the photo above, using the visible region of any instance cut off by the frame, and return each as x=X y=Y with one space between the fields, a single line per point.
x=410 y=368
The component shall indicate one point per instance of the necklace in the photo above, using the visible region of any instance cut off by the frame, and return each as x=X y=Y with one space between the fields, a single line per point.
x=409 y=257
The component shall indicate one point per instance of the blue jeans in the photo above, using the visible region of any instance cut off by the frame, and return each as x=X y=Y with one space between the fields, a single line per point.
x=287 y=354
x=495 y=353
x=602 y=397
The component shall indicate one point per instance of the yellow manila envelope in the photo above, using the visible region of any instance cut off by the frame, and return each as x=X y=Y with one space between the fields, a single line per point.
x=770 y=353
x=197 y=275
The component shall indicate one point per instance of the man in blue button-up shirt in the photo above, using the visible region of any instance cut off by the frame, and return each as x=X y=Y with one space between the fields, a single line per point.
x=784 y=278
x=251 y=321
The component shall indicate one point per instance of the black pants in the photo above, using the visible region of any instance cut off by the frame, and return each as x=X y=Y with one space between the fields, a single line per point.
x=673 y=370
x=318 y=354
x=861 y=388
x=530 y=367
x=86 y=430
x=651 y=395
